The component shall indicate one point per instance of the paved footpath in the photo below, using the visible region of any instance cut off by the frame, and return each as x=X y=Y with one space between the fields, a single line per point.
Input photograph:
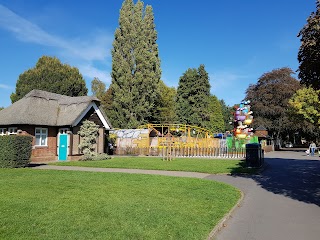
x=282 y=203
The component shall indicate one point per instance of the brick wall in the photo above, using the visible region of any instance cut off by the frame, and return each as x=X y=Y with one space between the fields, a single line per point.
x=42 y=153
x=49 y=152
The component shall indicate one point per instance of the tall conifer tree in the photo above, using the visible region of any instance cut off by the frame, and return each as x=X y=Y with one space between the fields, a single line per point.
x=135 y=67
x=200 y=108
x=185 y=96
x=193 y=97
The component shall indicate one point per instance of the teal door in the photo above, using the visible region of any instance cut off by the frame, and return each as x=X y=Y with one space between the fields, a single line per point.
x=63 y=147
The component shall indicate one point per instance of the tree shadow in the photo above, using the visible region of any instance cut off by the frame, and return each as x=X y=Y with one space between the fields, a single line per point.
x=32 y=165
x=294 y=178
x=242 y=169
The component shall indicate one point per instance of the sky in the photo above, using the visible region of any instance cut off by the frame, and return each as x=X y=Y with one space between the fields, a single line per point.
x=237 y=41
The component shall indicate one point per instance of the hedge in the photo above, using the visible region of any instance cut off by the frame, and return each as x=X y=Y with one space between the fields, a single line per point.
x=15 y=151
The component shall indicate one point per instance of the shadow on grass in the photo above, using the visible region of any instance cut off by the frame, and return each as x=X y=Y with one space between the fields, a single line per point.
x=242 y=168
x=31 y=165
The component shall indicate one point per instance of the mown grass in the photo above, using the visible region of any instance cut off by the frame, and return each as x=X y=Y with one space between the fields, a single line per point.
x=213 y=166
x=46 y=204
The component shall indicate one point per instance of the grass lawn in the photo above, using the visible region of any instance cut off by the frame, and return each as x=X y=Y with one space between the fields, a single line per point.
x=46 y=204
x=212 y=166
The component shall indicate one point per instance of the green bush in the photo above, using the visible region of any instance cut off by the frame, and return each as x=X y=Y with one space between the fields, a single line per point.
x=15 y=151
x=96 y=157
x=89 y=133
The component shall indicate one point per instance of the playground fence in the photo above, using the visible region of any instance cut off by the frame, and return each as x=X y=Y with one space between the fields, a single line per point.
x=205 y=152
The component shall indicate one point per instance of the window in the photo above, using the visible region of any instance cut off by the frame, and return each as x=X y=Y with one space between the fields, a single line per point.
x=41 y=136
x=12 y=130
x=63 y=130
x=3 y=131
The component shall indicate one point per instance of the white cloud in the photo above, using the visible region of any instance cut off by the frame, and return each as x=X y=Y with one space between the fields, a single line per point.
x=4 y=86
x=25 y=30
x=91 y=72
x=222 y=80
x=79 y=52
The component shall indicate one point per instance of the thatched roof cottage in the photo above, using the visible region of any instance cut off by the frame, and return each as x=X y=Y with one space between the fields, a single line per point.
x=54 y=121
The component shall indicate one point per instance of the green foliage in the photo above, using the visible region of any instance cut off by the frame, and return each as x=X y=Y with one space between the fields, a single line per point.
x=98 y=88
x=269 y=101
x=193 y=97
x=216 y=116
x=89 y=133
x=1 y=108
x=135 y=67
x=96 y=157
x=309 y=52
x=50 y=75
x=185 y=89
x=112 y=138
x=227 y=113
x=15 y=151
x=306 y=103
x=166 y=108
x=106 y=104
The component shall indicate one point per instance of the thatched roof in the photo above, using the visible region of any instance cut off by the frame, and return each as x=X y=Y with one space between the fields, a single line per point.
x=50 y=109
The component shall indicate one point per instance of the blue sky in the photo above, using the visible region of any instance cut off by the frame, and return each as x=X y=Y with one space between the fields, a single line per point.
x=237 y=41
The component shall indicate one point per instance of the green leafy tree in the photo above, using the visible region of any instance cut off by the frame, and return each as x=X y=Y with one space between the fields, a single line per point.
x=193 y=96
x=309 y=52
x=216 y=117
x=305 y=110
x=89 y=133
x=1 y=108
x=166 y=108
x=269 y=101
x=98 y=88
x=306 y=103
x=227 y=113
x=135 y=67
x=50 y=75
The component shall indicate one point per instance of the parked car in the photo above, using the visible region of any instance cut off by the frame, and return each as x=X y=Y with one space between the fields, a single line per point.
x=288 y=145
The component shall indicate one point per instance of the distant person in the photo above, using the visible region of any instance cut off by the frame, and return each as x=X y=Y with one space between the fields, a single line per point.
x=110 y=149
x=312 y=148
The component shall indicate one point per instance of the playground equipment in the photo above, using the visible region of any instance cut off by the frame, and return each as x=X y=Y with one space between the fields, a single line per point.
x=242 y=121
x=177 y=140
x=180 y=135
x=166 y=140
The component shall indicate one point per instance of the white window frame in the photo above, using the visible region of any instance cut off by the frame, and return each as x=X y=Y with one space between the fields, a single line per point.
x=43 y=132
x=12 y=130
x=64 y=130
x=3 y=131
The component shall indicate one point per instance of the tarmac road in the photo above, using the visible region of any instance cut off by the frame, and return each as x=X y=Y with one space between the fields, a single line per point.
x=283 y=202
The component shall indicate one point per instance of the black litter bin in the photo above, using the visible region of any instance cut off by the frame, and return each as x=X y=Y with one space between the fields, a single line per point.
x=254 y=155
